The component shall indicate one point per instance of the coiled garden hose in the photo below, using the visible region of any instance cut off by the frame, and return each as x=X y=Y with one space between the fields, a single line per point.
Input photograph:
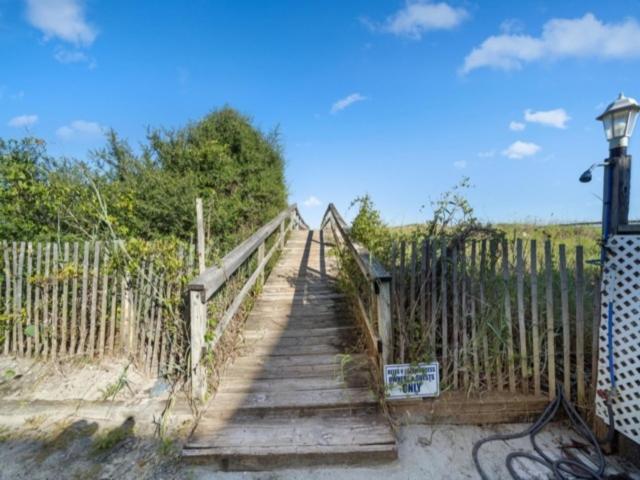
x=563 y=468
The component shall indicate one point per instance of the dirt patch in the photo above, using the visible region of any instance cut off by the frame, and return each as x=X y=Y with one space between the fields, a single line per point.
x=74 y=379
x=79 y=420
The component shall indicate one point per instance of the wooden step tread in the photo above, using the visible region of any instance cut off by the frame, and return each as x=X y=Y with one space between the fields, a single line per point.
x=304 y=399
x=295 y=432
x=248 y=384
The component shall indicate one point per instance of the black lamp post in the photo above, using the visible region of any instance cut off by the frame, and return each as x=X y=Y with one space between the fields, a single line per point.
x=618 y=119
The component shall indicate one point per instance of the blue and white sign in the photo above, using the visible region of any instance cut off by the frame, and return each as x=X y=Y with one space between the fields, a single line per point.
x=408 y=381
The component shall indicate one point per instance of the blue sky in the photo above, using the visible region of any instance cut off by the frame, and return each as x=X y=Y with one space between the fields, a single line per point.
x=392 y=98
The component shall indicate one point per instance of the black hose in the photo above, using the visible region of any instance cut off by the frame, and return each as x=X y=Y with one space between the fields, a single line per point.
x=564 y=468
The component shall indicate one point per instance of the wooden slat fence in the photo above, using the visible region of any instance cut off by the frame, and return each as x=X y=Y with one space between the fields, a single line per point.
x=75 y=299
x=497 y=314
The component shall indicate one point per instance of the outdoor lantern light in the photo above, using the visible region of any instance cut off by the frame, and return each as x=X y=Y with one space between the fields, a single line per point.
x=619 y=119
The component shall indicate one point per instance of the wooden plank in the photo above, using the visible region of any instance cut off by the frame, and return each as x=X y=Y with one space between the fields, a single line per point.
x=433 y=297
x=535 y=329
x=385 y=325
x=551 y=334
x=19 y=301
x=483 y=314
x=580 y=377
x=310 y=431
x=357 y=379
x=522 y=329
x=200 y=245
x=497 y=342
x=333 y=398
x=15 y=317
x=46 y=319
x=74 y=300
x=38 y=299
x=566 y=327
x=198 y=320
x=458 y=408
x=149 y=322
x=158 y=328
x=444 y=313
x=104 y=291
x=84 y=300
x=111 y=342
x=412 y=338
x=402 y=319
x=8 y=303
x=455 y=316
x=29 y=299
x=506 y=276
x=475 y=339
x=94 y=299
x=54 y=302
x=465 y=316
x=424 y=285
x=65 y=301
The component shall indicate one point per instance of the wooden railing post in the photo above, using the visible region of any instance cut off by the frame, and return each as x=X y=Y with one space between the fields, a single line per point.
x=260 y=259
x=198 y=319
x=200 y=235
x=385 y=327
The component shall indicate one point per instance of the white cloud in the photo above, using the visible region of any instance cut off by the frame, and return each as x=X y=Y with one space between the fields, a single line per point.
x=64 y=55
x=347 y=101
x=557 y=118
x=521 y=149
x=64 y=19
x=487 y=154
x=23 y=121
x=312 y=201
x=585 y=37
x=460 y=164
x=419 y=16
x=80 y=129
x=517 y=126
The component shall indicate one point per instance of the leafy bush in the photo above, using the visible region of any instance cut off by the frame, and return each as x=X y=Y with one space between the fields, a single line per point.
x=237 y=170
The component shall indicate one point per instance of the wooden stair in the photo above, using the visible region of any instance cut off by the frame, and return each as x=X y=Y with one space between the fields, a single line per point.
x=299 y=393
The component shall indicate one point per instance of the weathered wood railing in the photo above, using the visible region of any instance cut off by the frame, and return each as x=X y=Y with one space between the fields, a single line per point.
x=374 y=299
x=205 y=286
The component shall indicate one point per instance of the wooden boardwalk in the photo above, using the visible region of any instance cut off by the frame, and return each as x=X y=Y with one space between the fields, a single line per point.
x=299 y=392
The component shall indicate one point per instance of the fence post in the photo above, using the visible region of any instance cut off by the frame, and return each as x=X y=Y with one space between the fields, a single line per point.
x=127 y=314
x=200 y=235
x=198 y=317
x=385 y=327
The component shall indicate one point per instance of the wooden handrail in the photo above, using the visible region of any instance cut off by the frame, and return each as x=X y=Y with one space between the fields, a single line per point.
x=203 y=287
x=371 y=268
x=210 y=281
x=380 y=280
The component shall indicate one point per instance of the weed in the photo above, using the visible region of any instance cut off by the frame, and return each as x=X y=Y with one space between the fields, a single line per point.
x=167 y=447
x=108 y=440
x=4 y=433
x=345 y=360
x=111 y=390
x=35 y=421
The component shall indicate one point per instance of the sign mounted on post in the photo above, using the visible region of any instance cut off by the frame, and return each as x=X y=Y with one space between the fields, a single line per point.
x=408 y=381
